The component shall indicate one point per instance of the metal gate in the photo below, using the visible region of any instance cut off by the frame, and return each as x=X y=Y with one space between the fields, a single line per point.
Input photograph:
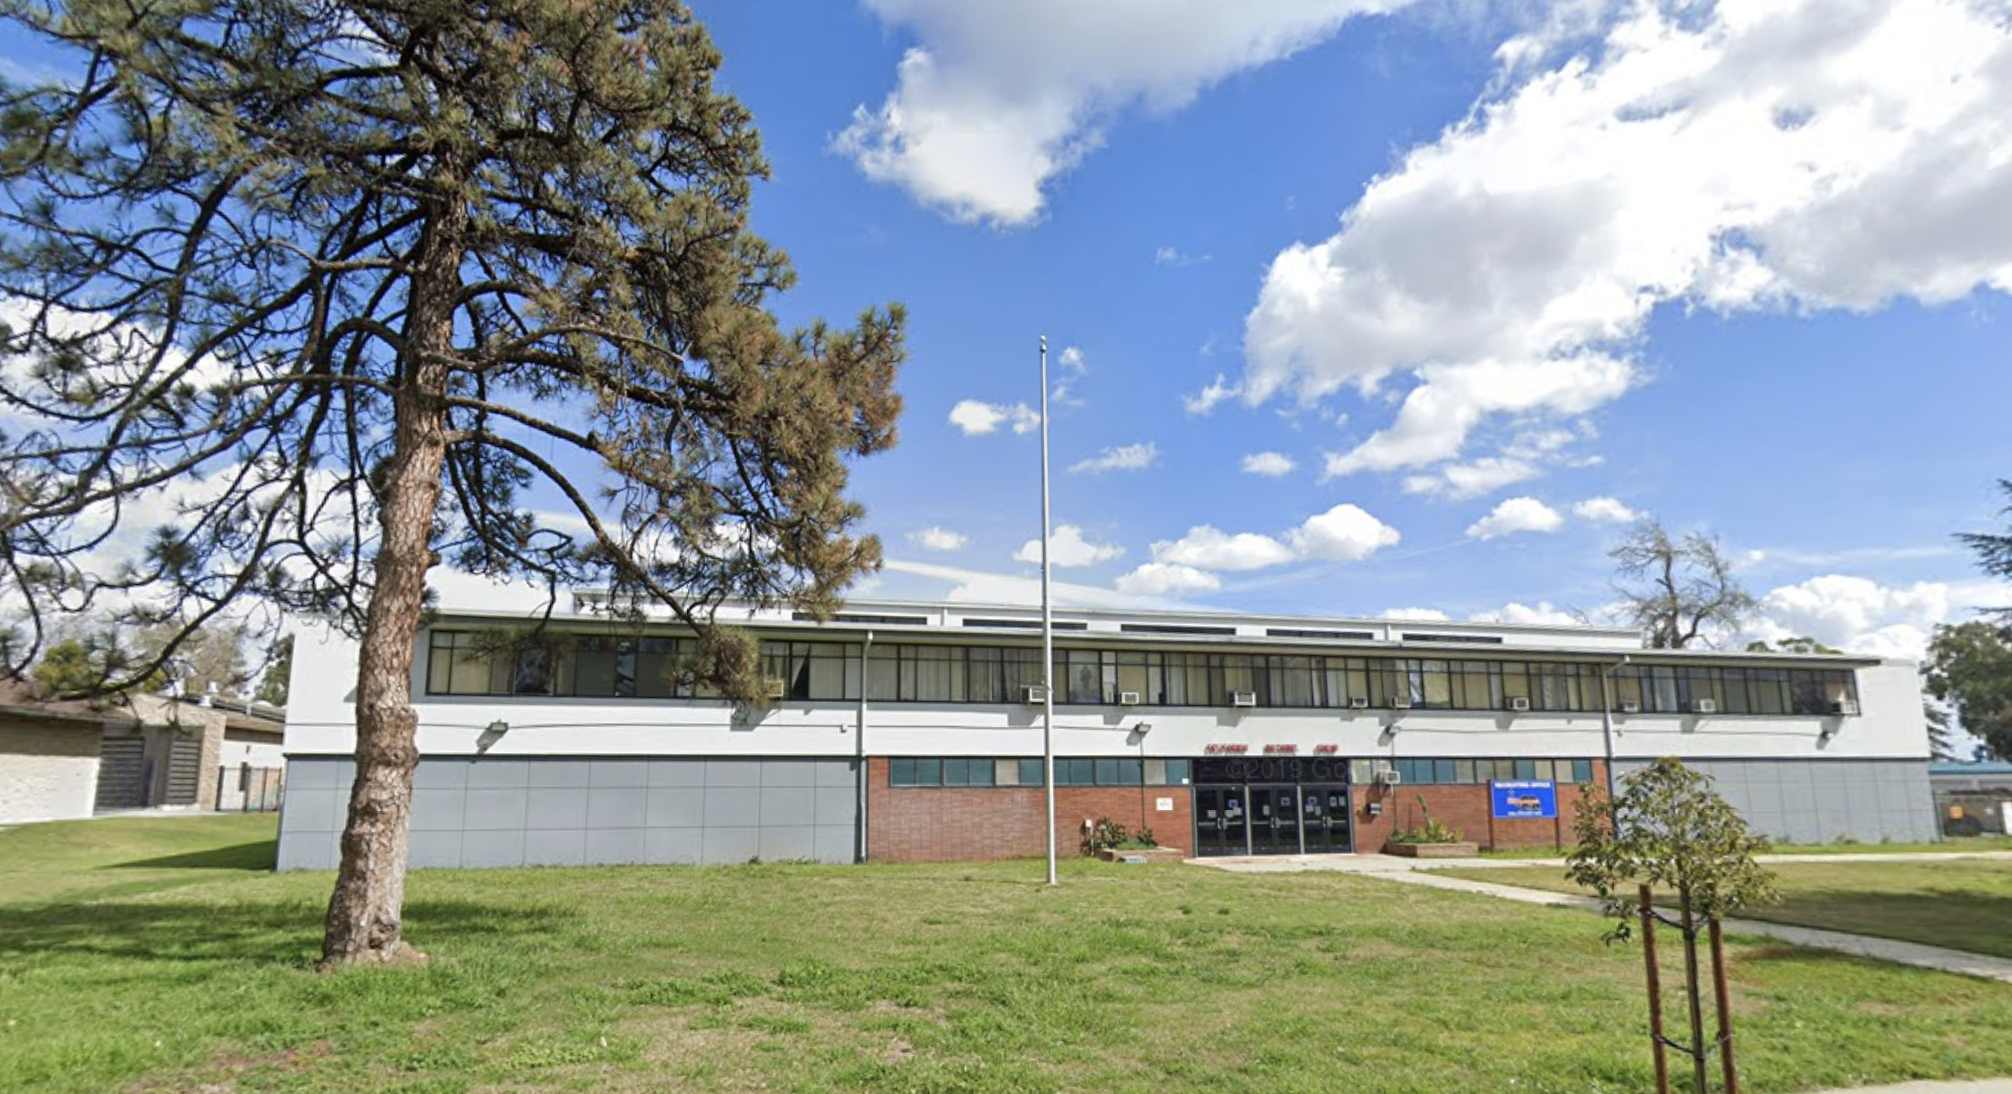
x=122 y=773
x=185 y=770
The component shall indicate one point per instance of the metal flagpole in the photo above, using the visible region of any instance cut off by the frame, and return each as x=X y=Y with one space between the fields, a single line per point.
x=1047 y=633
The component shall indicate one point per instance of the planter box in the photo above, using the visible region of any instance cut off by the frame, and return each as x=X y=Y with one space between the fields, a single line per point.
x=1150 y=854
x=1432 y=850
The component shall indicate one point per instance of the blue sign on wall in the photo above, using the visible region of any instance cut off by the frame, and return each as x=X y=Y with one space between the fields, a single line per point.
x=1524 y=798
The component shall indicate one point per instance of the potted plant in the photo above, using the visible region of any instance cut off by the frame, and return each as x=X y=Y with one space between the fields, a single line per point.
x=1433 y=839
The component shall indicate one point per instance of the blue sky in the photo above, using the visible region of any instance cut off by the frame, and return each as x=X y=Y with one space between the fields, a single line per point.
x=1371 y=306
x=1472 y=283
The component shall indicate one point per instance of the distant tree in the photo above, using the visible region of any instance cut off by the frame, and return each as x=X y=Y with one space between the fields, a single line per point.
x=349 y=289
x=86 y=664
x=1678 y=590
x=278 y=675
x=1970 y=668
x=1941 y=730
x=1801 y=644
x=1993 y=550
x=208 y=659
x=66 y=669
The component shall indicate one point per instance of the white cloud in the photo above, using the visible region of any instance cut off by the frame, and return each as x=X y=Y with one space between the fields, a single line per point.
x=1860 y=615
x=1516 y=515
x=1609 y=510
x=980 y=587
x=997 y=99
x=976 y=418
x=1543 y=613
x=1272 y=464
x=1073 y=368
x=1704 y=155
x=1130 y=457
x=1439 y=413
x=1172 y=256
x=1473 y=479
x=1068 y=548
x=1211 y=548
x=1524 y=458
x=1206 y=399
x=1344 y=533
x=936 y=538
x=1165 y=578
x=1421 y=615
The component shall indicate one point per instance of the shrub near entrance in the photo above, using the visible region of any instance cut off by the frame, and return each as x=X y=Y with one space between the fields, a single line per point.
x=1433 y=839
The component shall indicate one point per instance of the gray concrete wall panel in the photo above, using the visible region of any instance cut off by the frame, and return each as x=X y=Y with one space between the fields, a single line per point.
x=512 y=811
x=618 y=847
x=1825 y=801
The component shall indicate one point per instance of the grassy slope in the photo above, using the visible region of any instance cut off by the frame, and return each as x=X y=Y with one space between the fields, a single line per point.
x=1161 y=979
x=1962 y=904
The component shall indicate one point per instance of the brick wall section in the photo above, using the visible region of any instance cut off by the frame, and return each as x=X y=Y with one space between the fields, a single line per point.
x=930 y=824
x=950 y=824
x=1464 y=808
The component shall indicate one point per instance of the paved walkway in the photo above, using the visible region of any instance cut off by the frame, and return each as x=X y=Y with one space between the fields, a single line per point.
x=1387 y=864
x=1420 y=872
x=1956 y=1086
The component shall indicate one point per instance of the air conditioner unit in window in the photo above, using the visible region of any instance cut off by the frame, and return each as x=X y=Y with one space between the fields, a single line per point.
x=1358 y=702
x=1400 y=702
x=1629 y=706
x=1520 y=704
x=1243 y=698
x=774 y=689
x=1846 y=707
x=1704 y=706
x=1034 y=695
x=1128 y=698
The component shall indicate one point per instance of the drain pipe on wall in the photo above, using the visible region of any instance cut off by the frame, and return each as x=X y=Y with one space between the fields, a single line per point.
x=1607 y=715
x=859 y=750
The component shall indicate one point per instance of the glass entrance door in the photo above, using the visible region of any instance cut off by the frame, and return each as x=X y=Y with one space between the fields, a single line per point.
x=1274 y=820
x=1221 y=821
x=1324 y=819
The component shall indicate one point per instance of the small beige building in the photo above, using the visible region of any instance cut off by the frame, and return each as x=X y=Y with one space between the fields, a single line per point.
x=66 y=760
x=49 y=755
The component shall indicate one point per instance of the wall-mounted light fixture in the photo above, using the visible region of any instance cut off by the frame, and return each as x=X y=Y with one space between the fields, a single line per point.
x=491 y=733
x=1143 y=728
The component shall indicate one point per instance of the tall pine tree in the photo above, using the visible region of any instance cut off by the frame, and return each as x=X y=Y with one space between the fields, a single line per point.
x=304 y=298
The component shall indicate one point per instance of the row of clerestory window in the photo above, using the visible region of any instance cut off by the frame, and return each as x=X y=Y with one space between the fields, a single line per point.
x=602 y=666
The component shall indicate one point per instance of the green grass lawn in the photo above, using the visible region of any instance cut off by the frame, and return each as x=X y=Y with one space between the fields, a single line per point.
x=1961 y=904
x=151 y=956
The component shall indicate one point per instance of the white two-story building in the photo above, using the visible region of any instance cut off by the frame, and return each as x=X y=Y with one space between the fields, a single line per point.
x=907 y=732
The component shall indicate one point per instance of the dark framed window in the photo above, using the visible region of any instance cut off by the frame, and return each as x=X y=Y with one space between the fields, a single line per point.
x=629 y=666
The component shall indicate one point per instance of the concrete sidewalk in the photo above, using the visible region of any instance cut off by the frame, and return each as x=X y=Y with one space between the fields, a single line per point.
x=1958 y=1086
x=1387 y=864
x=1419 y=872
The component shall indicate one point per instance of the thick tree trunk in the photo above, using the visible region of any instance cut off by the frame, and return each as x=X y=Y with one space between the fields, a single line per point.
x=365 y=914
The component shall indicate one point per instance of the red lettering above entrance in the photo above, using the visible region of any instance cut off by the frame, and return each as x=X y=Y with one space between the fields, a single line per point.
x=1225 y=750
x=1281 y=750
